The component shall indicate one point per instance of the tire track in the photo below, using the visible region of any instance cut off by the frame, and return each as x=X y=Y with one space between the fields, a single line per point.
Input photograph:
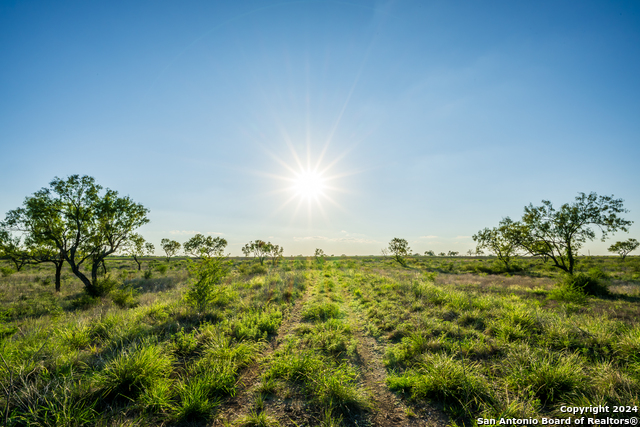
x=240 y=405
x=389 y=409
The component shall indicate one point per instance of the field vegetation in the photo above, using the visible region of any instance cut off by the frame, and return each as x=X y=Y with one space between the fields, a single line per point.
x=317 y=341
x=96 y=332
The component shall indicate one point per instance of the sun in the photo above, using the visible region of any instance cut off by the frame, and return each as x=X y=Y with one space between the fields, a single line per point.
x=309 y=184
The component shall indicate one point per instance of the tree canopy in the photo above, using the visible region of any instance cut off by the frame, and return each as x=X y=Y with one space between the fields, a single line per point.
x=623 y=248
x=80 y=221
x=501 y=240
x=400 y=249
x=137 y=247
x=11 y=247
x=261 y=250
x=170 y=247
x=559 y=234
x=199 y=246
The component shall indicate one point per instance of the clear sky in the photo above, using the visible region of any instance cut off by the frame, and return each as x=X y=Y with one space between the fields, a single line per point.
x=425 y=120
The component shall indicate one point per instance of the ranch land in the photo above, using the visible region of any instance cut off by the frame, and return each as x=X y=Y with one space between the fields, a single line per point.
x=328 y=341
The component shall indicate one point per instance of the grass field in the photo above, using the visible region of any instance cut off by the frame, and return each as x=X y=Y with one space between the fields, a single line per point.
x=351 y=341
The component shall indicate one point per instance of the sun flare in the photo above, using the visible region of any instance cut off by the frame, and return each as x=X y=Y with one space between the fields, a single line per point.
x=309 y=184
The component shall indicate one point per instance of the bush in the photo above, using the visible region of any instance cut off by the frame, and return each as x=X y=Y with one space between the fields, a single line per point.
x=104 y=286
x=587 y=284
x=125 y=297
x=206 y=291
x=258 y=269
x=162 y=268
x=598 y=273
x=84 y=302
x=147 y=274
x=7 y=271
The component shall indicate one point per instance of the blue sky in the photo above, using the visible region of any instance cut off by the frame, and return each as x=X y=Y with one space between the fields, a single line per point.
x=428 y=120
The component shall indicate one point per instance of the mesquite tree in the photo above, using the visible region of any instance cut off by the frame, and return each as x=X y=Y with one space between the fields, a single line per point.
x=170 y=247
x=137 y=247
x=623 y=248
x=400 y=249
x=80 y=221
x=199 y=246
x=261 y=250
x=501 y=240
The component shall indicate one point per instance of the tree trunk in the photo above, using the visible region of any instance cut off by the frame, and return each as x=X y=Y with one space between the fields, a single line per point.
x=59 y=265
x=70 y=257
x=88 y=286
x=94 y=271
x=570 y=257
x=136 y=260
x=19 y=263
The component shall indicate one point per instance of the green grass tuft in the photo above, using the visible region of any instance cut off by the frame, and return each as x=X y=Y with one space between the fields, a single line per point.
x=133 y=370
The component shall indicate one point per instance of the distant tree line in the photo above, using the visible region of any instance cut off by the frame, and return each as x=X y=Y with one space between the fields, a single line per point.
x=77 y=222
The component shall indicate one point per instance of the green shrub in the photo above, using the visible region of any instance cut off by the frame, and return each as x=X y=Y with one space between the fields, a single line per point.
x=125 y=297
x=84 y=302
x=162 y=268
x=242 y=268
x=206 y=290
x=587 y=284
x=7 y=271
x=597 y=273
x=147 y=274
x=258 y=269
x=104 y=286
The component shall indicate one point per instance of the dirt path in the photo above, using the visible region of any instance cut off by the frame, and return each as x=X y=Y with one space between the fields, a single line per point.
x=388 y=409
x=241 y=404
